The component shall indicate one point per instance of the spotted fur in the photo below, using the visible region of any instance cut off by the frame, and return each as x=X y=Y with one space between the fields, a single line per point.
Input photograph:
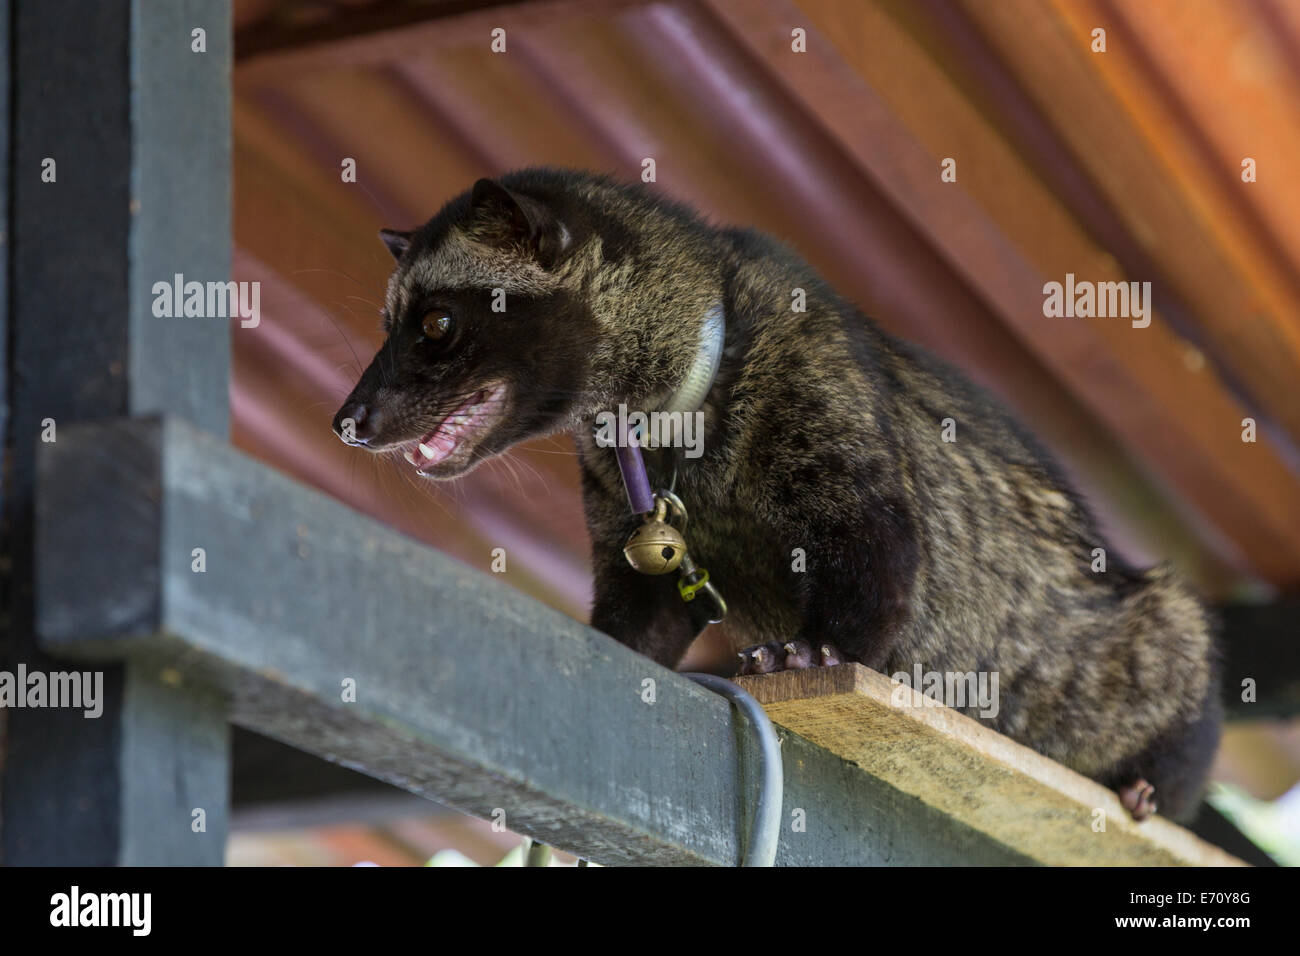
x=823 y=434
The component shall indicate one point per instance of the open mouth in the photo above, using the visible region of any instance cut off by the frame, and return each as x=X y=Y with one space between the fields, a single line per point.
x=457 y=431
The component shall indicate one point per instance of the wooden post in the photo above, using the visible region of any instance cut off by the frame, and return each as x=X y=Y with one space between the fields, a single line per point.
x=119 y=179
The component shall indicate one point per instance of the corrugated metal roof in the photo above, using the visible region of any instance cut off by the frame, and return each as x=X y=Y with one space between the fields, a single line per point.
x=1117 y=165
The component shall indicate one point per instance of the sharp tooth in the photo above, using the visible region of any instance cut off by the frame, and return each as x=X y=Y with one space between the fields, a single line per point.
x=425 y=450
x=410 y=456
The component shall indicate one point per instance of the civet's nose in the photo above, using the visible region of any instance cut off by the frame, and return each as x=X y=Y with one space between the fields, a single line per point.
x=356 y=424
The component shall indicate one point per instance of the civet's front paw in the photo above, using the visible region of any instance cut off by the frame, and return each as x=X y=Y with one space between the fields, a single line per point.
x=791 y=656
x=1139 y=799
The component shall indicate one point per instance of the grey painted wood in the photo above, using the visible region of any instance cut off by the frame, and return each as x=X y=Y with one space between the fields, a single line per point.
x=137 y=125
x=180 y=183
x=467 y=691
x=4 y=245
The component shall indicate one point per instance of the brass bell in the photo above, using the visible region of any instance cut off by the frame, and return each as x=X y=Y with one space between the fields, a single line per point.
x=656 y=547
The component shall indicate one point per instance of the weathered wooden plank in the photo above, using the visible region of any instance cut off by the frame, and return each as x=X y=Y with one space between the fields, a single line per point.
x=973 y=774
x=134 y=121
x=466 y=691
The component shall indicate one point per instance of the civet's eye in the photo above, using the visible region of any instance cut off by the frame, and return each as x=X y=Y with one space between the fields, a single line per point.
x=437 y=325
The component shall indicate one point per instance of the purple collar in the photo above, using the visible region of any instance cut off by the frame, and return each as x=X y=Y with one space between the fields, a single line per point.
x=687 y=399
x=635 y=479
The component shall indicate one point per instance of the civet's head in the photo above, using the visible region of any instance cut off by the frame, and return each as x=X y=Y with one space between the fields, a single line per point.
x=489 y=341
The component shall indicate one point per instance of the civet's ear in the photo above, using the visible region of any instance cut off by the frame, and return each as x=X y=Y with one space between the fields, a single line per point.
x=503 y=217
x=397 y=242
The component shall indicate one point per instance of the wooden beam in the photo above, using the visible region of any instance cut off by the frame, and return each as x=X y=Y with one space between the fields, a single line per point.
x=1174 y=137
x=465 y=691
x=1224 y=70
x=136 y=124
x=1234 y=307
x=987 y=781
x=404 y=161
x=423 y=36
x=496 y=106
x=296 y=24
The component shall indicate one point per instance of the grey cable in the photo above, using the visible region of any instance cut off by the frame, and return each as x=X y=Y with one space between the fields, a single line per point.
x=765 y=828
x=536 y=853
